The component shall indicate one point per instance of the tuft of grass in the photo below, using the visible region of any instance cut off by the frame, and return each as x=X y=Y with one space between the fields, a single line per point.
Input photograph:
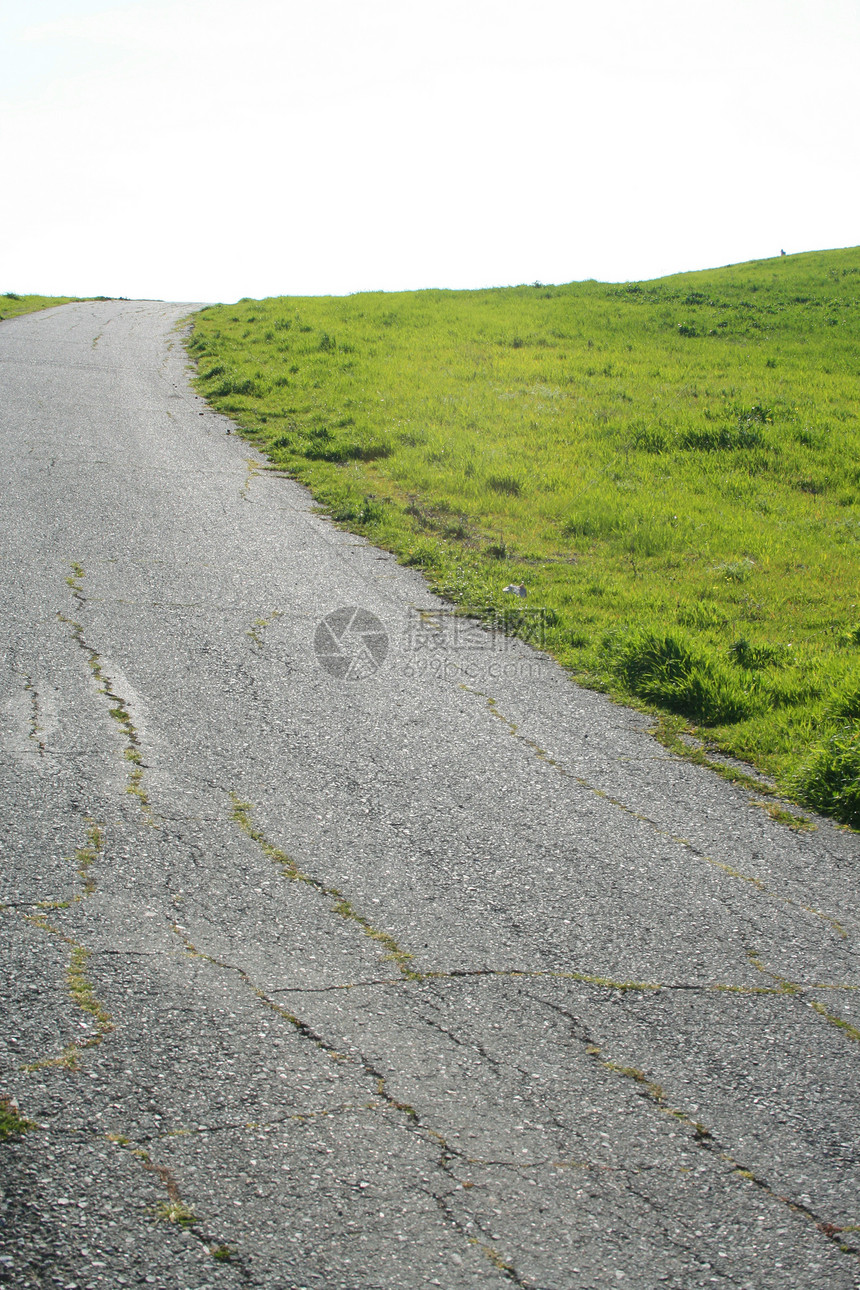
x=223 y=1253
x=664 y=669
x=755 y=657
x=12 y=1123
x=799 y=823
x=505 y=484
x=829 y=781
x=176 y=1212
x=846 y=704
x=670 y=467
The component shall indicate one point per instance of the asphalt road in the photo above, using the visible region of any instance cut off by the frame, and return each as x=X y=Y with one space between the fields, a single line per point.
x=374 y=955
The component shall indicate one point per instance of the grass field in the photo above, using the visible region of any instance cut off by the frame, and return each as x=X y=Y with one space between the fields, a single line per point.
x=672 y=468
x=11 y=304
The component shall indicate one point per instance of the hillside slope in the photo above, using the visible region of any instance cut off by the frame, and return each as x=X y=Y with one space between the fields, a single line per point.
x=671 y=468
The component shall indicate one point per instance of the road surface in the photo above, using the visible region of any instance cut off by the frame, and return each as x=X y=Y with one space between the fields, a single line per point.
x=347 y=947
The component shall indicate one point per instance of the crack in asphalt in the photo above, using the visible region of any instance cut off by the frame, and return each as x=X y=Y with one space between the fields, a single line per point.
x=413 y=1120
x=689 y=1250
x=542 y=754
x=785 y=986
x=549 y=974
x=258 y=626
x=36 y=730
x=490 y=1253
x=78 y=984
x=85 y=857
x=241 y=814
x=291 y=1117
x=82 y=992
x=119 y=712
x=474 y=1044
x=700 y=1135
x=839 y=1022
x=88 y=855
x=650 y=1090
x=343 y=907
x=255 y=468
x=175 y=1210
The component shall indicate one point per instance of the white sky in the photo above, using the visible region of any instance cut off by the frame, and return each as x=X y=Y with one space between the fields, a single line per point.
x=211 y=149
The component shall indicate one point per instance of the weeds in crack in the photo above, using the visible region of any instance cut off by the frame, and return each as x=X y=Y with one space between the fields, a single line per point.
x=81 y=992
x=524 y=974
x=519 y=1166
x=666 y=731
x=490 y=1253
x=650 y=1090
x=343 y=907
x=174 y=1209
x=259 y=625
x=35 y=731
x=223 y=1253
x=700 y=1135
x=118 y=712
x=76 y=582
x=501 y=1264
x=254 y=469
x=403 y=1107
x=87 y=856
x=547 y=974
x=586 y=978
x=798 y=823
x=302 y=1027
x=736 y=777
x=307 y=1032
x=783 y=984
x=791 y=987
x=12 y=1122
x=174 y=1212
x=851 y=1031
x=762 y=887
x=293 y=1117
x=447 y=1153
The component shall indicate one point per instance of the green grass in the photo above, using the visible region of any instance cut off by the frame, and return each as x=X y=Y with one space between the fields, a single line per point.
x=11 y=304
x=672 y=468
x=12 y=1123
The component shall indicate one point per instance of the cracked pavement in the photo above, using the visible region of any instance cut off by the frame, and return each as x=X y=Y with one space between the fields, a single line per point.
x=447 y=976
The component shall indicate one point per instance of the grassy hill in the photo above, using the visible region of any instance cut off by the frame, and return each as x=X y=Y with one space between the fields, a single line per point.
x=672 y=468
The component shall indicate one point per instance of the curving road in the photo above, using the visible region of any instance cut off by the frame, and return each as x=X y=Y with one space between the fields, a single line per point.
x=369 y=953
